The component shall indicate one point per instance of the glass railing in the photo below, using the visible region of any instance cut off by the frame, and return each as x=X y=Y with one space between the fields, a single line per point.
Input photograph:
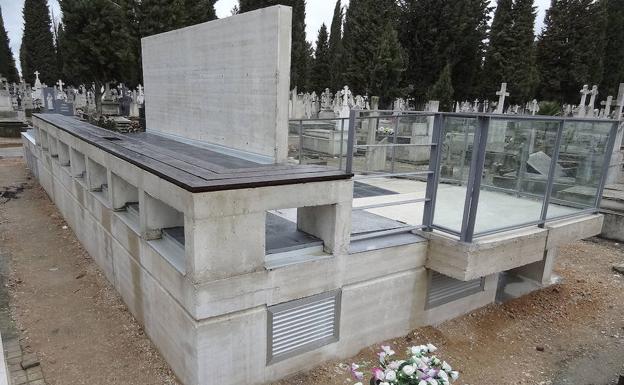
x=467 y=175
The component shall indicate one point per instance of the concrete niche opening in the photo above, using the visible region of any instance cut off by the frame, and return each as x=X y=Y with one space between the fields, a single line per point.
x=63 y=154
x=125 y=200
x=97 y=179
x=43 y=137
x=164 y=230
x=53 y=146
x=292 y=236
x=78 y=164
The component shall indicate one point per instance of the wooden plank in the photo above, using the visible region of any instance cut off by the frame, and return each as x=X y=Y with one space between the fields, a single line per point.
x=190 y=176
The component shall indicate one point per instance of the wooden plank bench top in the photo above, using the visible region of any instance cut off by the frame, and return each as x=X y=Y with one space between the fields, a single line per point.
x=193 y=168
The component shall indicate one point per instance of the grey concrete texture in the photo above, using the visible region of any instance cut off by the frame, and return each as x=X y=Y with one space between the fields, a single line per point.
x=224 y=82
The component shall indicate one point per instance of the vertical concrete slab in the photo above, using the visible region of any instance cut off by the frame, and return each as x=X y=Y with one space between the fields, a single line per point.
x=224 y=82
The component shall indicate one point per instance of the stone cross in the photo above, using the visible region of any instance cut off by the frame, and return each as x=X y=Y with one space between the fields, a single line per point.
x=607 y=106
x=620 y=102
x=60 y=84
x=584 y=92
x=592 y=99
x=502 y=94
x=37 y=77
x=534 y=107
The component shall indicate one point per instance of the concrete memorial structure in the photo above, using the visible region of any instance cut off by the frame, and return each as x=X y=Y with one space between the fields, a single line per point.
x=242 y=268
x=223 y=85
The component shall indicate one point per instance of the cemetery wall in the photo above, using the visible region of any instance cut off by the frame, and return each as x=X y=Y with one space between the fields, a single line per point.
x=224 y=82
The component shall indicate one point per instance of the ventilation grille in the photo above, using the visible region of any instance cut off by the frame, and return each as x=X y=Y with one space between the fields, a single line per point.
x=444 y=289
x=302 y=325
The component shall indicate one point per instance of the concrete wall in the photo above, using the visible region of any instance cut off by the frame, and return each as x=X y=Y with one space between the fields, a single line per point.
x=223 y=82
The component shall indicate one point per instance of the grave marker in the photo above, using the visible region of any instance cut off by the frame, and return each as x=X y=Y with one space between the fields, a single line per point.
x=502 y=94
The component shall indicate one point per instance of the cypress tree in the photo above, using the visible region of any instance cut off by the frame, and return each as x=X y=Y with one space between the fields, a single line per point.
x=335 y=48
x=388 y=67
x=157 y=16
x=199 y=11
x=37 y=52
x=7 y=61
x=435 y=33
x=468 y=23
x=524 y=77
x=320 y=76
x=499 y=58
x=613 y=73
x=570 y=49
x=365 y=23
x=300 y=51
x=442 y=89
x=96 y=46
x=60 y=53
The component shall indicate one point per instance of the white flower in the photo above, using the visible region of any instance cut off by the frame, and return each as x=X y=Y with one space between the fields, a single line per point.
x=390 y=375
x=358 y=383
x=422 y=382
x=431 y=348
x=432 y=381
x=454 y=374
x=442 y=374
x=384 y=383
x=408 y=370
x=388 y=350
x=446 y=367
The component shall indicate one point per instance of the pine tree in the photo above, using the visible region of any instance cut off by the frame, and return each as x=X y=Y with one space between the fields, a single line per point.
x=388 y=66
x=364 y=27
x=96 y=46
x=613 y=72
x=320 y=76
x=442 y=90
x=499 y=59
x=37 y=52
x=570 y=49
x=7 y=61
x=60 y=52
x=335 y=48
x=524 y=77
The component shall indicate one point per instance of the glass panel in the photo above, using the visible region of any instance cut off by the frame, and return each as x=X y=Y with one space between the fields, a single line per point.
x=322 y=141
x=457 y=145
x=515 y=175
x=579 y=167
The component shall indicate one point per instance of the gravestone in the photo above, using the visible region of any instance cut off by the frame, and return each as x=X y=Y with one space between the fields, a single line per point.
x=502 y=94
x=64 y=108
x=239 y=104
x=582 y=108
x=540 y=163
x=48 y=99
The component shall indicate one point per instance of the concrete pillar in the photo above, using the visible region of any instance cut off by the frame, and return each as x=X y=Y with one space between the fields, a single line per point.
x=331 y=223
x=96 y=175
x=540 y=271
x=225 y=246
x=77 y=162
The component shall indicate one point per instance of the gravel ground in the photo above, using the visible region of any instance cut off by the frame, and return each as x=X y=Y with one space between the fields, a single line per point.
x=571 y=333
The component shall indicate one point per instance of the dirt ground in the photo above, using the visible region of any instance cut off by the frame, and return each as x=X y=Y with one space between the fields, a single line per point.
x=568 y=334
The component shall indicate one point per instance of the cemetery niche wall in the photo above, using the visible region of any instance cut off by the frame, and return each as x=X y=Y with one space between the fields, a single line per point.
x=242 y=268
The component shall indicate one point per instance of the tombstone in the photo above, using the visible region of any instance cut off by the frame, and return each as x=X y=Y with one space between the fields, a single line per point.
x=124 y=102
x=134 y=105
x=534 y=107
x=539 y=162
x=80 y=102
x=307 y=105
x=346 y=102
x=48 y=98
x=327 y=111
x=399 y=104
x=60 y=93
x=360 y=103
x=620 y=102
x=5 y=96
x=592 y=99
x=502 y=94
x=64 y=108
x=457 y=107
x=606 y=112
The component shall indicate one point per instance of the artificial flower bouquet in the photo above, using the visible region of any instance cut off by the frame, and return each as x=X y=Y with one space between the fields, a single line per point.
x=420 y=368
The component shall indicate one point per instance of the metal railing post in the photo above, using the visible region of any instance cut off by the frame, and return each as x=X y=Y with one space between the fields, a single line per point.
x=551 y=174
x=351 y=141
x=395 y=133
x=473 y=189
x=433 y=177
x=301 y=142
x=606 y=164
x=341 y=144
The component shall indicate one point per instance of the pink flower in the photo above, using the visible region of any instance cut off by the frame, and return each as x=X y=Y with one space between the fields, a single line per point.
x=378 y=374
x=355 y=373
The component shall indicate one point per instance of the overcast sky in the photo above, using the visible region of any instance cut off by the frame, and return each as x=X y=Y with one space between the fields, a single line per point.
x=317 y=12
